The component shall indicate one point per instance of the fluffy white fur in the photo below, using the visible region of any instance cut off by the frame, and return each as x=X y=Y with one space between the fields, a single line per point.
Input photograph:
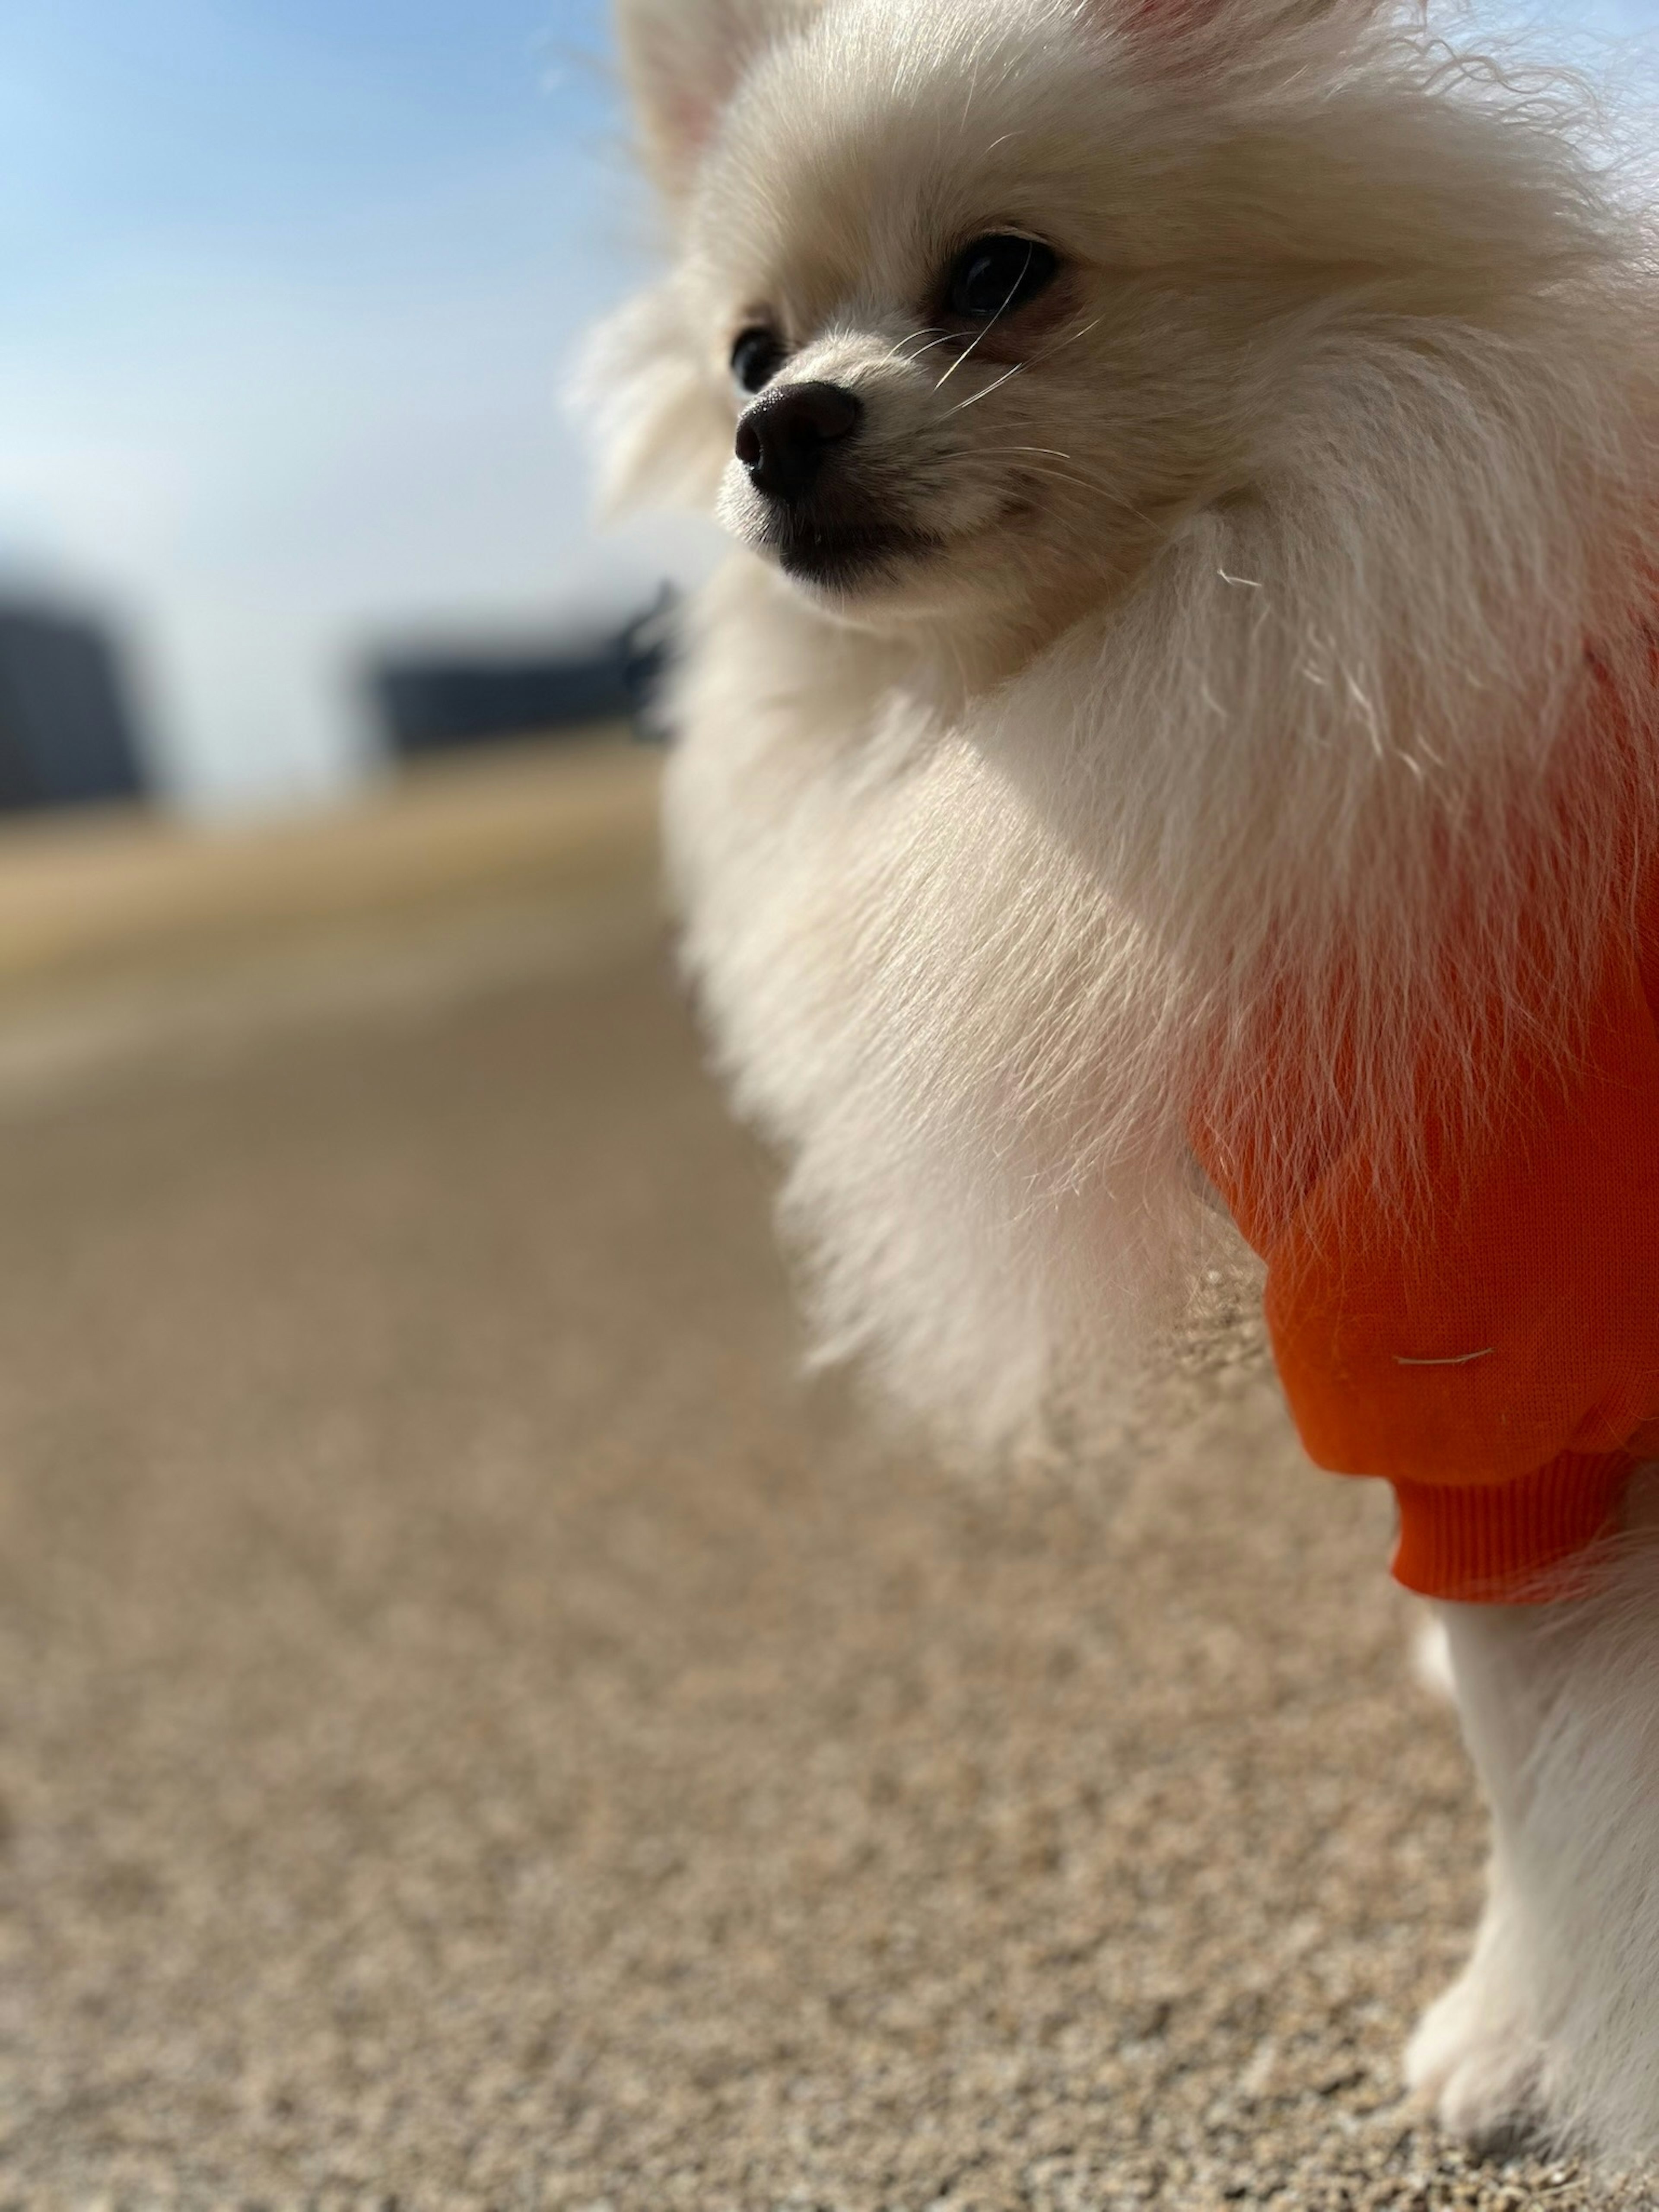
x=1243 y=691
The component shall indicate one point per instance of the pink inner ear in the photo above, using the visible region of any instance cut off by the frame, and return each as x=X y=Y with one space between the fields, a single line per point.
x=689 y=117
x=688 y=56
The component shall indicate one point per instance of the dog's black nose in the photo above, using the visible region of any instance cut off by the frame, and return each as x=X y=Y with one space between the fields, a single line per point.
x=785 y=437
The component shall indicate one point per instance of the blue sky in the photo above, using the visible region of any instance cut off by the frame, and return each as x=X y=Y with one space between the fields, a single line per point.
x=289 y=288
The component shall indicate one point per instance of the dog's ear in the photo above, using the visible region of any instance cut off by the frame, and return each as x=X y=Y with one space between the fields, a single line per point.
x=683 y=59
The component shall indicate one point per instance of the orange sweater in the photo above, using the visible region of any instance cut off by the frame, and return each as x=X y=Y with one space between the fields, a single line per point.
x=1498 y=1365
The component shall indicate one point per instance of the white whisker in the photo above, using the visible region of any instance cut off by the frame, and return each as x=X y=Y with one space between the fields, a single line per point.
x=1095 y=484
x=1048 y=354
x=898 y=352
x=1013 y=293
x=984 y=392
x=971 y=351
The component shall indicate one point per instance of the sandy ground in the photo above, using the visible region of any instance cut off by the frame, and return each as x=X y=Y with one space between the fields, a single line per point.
x=476 y=1730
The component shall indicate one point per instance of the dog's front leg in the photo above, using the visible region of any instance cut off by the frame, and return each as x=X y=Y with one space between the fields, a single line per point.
x=1478 y=2052
x=1553 y=2027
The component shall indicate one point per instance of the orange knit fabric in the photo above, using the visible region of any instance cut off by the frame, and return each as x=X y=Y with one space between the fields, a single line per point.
x=1497 y=1365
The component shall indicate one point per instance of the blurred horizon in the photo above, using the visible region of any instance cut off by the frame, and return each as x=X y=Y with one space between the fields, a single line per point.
x=296 y=286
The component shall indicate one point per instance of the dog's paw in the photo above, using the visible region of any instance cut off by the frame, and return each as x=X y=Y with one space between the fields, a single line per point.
x=1475 y=2060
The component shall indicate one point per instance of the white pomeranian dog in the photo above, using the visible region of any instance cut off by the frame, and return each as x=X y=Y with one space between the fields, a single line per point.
x=1174 y=758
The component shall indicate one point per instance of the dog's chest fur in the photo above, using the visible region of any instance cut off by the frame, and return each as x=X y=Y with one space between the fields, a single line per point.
x=927 y=995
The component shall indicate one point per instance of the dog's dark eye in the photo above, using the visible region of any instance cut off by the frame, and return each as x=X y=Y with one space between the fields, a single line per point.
x=756 y=357
x=994 y=276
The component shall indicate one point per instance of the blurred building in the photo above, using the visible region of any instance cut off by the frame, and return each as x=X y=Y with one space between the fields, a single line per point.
x=67 y=732
x=435 y=702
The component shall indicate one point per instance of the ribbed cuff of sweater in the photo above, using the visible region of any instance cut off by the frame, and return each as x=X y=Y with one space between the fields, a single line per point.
x=1509 y=1543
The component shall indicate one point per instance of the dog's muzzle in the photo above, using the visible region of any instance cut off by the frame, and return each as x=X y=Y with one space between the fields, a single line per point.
x=796 y=444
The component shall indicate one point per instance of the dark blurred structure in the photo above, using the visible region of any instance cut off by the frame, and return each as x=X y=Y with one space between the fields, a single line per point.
x=67 y=734
x=435 y=702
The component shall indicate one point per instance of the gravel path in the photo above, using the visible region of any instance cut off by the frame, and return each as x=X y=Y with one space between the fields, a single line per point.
x=476 y=1731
